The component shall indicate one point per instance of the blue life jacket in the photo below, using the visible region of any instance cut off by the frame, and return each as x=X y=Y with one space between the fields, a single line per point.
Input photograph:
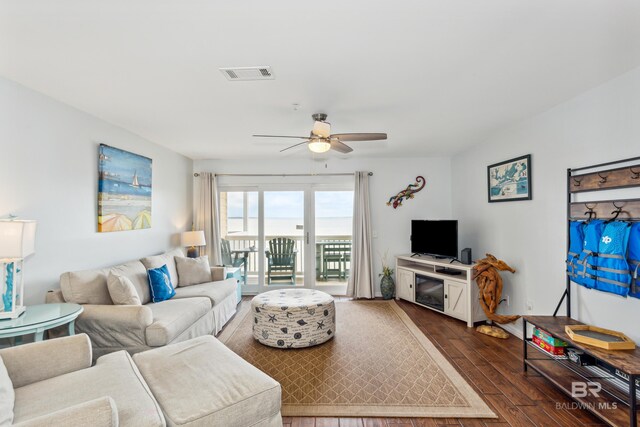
x=576 y=241
x=633 y=257
x=587 y=261
x=613 y=269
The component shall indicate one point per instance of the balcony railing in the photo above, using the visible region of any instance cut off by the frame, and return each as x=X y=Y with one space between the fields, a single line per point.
x=239 y=242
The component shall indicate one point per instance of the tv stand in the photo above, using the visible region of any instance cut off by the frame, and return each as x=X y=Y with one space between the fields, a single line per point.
x=460 y=292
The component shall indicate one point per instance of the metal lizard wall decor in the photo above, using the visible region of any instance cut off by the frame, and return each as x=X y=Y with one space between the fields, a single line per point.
x=408 y=192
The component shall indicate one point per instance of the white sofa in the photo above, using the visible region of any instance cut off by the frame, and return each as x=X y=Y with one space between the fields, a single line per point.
x=194 y=311
x=195 y=383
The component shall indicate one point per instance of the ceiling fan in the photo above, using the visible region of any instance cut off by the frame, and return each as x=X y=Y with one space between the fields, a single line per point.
x=320 y=140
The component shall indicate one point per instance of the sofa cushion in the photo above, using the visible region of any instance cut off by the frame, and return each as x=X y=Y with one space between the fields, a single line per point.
x=172 y=317
x=137 y=273
x=231 y=392
x=167 y=259
x=160 y=284
x=215 y=291
x=193 y=271
x=90 y=286
x=114 y=375
x=7 y=396
x=122 y=291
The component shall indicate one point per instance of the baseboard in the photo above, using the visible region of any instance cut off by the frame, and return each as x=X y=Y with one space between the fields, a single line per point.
x=512 y=329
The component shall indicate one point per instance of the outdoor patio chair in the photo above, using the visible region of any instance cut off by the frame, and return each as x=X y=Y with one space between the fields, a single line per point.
x=335 y=260
x=229 y=258
x=281 y=260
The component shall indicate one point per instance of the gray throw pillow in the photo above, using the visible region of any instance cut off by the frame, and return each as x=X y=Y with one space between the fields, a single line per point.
x=193 y=271
x=122 y=291
x=7 y=396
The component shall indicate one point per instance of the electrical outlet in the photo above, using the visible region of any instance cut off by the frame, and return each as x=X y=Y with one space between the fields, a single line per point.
x=529 y=305
x=375 y=234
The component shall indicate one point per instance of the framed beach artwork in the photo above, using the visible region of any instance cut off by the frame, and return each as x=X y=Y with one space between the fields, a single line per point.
x=510 y=180
x=124 y=190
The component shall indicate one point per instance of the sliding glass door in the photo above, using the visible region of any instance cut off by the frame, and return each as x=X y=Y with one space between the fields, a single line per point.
x=333 y=213
x=239 y=231
x=288 y=236
x=284 y=237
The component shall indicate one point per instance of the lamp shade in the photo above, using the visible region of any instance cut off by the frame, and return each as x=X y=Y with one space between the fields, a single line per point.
x=193 y=238
x=319 y=145
x=17 y=238
x=322 y=129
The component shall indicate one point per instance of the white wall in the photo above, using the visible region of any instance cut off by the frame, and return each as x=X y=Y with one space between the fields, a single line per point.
x=392 y=226
x=48 y=172
x=598 y=126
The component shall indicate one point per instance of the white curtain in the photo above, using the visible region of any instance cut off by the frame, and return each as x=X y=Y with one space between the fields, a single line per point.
x=208 y=216
x=361 y=278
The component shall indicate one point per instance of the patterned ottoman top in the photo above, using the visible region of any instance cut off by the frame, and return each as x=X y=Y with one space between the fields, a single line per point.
x=291 y=299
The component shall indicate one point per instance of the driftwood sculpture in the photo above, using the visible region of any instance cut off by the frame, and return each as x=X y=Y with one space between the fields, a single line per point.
x=487 y=276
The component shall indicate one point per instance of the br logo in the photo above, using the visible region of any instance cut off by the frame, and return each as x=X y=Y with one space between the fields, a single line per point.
x=583 y=389
x=606 y=240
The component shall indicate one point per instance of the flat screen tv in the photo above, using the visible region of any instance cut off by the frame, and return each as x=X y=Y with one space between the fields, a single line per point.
x=438 y=238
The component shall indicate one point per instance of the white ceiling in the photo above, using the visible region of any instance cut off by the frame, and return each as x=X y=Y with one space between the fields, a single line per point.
x=437 y=75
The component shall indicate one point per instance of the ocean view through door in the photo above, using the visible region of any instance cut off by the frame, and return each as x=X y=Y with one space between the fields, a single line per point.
x=333 y=213
x=284 y=237
x=279 y=237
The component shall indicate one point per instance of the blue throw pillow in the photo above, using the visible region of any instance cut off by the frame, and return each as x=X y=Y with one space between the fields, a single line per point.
x=160 y=284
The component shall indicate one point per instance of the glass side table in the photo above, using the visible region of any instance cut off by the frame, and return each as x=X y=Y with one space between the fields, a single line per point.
x=39 y=318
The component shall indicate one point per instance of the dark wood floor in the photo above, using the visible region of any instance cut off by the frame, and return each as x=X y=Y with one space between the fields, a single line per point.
x=493 y=367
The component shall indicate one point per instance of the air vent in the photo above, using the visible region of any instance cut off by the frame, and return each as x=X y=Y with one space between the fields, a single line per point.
x=248 y=73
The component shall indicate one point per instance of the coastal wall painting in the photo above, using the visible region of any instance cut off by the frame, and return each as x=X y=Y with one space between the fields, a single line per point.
x=510 y=180
x=124 y=190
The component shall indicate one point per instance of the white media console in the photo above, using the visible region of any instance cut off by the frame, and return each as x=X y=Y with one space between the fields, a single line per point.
x=419 y=280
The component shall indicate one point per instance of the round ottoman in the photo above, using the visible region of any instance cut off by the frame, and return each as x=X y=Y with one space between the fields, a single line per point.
x=293 y=318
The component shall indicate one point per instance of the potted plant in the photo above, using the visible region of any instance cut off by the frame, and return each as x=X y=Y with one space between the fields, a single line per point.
x=387 y=285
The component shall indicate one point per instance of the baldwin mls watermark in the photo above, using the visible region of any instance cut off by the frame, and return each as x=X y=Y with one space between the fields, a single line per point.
x=583 y=389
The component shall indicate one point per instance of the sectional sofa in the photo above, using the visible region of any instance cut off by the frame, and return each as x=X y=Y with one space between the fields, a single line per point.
x=195 y=383
x=195 y=310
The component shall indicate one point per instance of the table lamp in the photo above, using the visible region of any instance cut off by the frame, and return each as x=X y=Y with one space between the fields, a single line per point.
x=193 y=239
x=17 y=241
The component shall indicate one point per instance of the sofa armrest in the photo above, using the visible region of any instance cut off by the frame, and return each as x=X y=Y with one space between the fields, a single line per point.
x=217 y=274
x=117 y=317
x=30 y=363
x=54 y=296
x=111 y=326
x=99 y=412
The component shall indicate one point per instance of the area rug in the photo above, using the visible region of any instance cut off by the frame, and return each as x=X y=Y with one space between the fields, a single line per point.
x=378 y=365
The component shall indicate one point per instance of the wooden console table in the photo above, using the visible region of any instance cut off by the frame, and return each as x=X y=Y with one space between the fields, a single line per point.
x=609 y=389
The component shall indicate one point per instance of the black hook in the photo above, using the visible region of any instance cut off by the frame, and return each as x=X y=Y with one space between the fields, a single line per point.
x=636 y=175
x=576 y=181
x=617 y=212
x=603 y=179
x=590 y=212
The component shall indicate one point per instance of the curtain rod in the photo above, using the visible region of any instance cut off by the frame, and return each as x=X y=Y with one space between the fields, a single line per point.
x=282 y=174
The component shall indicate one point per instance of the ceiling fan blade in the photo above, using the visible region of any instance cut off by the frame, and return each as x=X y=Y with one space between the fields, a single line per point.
x=359 y=136
x=340 y=147
x=281 y=136
x=293 y=146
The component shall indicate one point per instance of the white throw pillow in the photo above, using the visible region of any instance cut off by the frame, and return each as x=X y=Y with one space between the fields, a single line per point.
x=7 y=396
x=122 y=291
x=193 y=271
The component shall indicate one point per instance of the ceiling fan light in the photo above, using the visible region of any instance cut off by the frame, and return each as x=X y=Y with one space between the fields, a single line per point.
x=322 y=129
x=319 y=146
